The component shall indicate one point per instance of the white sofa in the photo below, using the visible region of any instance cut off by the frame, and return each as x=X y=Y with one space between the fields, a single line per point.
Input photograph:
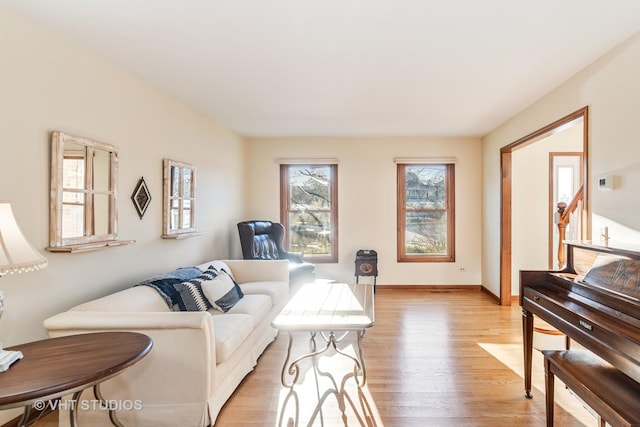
x=198 y=358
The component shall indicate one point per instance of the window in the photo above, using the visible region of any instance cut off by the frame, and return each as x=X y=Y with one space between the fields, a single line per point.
x=426 y=213
x=83 y=212
x=179 y=199
x=309 y=210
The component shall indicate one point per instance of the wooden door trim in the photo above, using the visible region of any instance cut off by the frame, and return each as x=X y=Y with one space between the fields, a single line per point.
x=506 y=186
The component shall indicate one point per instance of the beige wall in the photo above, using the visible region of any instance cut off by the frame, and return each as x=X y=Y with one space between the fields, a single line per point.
x=367 y=200
x=47 y=84
x=611 y=89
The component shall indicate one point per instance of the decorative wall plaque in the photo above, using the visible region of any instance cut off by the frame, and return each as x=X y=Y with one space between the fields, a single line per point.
x=141 y=197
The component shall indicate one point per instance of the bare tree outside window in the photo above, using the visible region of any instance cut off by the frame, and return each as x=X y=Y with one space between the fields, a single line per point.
x=309 y=210
x=425 y=212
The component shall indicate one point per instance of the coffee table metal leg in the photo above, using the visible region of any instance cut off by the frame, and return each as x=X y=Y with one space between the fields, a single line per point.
x=332 y=334
x=293 y=368
x=25 y=416
x=364 y=368
x=313 y=340
x=359 y=364
x=359 y=368
x=73 y=414
x=112 y=412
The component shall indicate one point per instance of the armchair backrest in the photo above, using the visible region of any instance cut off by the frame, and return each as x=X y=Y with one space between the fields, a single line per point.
x=261 y=240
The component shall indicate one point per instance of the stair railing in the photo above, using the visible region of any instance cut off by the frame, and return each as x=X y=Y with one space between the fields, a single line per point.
x=562 y=219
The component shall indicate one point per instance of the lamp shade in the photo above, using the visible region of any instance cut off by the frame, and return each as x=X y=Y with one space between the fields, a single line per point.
x=16 y=253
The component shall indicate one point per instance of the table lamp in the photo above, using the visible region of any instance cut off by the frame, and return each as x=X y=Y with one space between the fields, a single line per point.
x=16 y=256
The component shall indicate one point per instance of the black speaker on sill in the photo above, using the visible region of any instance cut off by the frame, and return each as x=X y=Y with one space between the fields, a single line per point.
x=367 y=264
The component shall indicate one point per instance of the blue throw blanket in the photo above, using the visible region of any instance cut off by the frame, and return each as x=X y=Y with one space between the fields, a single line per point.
x=163 y=283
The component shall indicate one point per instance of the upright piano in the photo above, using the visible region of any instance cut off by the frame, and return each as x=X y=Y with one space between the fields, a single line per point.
x=594 y=300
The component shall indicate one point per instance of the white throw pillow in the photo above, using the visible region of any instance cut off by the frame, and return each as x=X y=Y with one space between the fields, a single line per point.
x=222 y=292
x=218 y=265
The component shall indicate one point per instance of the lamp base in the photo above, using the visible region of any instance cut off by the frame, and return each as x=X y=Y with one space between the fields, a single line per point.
x=8 y=357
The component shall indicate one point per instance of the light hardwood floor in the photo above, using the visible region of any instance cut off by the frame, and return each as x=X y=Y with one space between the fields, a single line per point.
x=433 y=359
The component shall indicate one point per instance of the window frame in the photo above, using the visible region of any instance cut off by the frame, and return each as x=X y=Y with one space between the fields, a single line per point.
x=90 y=238
x=285 y=208
x=402 y=256
x=169 y=232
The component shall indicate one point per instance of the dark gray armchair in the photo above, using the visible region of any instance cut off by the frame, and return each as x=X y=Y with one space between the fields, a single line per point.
x=263 y=240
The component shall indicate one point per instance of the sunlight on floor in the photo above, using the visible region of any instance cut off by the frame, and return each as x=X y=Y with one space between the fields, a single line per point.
x=511 y=356
x=326 y=393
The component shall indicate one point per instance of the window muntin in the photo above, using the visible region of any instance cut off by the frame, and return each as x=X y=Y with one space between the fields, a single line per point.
x=309 y=210
x=426 y=213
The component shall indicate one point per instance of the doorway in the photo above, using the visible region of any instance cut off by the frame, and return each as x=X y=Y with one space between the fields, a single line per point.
x=565 y=181
x=577 y=118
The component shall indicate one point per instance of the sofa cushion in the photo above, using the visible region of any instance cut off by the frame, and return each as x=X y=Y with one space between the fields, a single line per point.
x=221 y=291
x=277 y=291
x=230 y=331
x=256 y=306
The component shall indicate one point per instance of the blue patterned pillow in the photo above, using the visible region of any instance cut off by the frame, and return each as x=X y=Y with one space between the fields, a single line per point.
x=191 y=295
x=222 y=292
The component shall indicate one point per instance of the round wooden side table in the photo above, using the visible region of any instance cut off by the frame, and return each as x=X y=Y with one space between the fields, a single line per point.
x=55 y=367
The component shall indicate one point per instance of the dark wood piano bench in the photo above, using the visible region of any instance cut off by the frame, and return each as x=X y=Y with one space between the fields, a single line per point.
x=611 y=394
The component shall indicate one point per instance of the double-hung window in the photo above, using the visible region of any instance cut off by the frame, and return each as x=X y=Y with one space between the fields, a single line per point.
x=426 y=229
x=309 y=210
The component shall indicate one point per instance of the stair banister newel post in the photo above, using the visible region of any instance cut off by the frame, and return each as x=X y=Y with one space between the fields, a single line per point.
x=561 y=221
x=562 y=218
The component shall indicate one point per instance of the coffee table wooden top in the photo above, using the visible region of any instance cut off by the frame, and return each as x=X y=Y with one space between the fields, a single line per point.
x=328 y=307
x=58 y=366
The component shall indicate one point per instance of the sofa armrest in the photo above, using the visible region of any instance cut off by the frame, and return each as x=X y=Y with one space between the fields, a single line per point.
x=253 y=270
x=180 y=368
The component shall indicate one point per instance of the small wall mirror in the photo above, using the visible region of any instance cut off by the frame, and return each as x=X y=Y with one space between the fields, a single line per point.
x=83 y=212
x=179 y=199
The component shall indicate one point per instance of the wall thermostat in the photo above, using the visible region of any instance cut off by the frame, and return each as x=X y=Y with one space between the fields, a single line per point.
x=605 y=182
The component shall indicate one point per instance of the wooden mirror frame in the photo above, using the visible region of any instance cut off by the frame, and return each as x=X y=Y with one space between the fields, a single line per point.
x=90 y=239
x=178 y=201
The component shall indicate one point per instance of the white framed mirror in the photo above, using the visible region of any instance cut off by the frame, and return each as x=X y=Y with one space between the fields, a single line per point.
x=83 y=209
x=179 y=199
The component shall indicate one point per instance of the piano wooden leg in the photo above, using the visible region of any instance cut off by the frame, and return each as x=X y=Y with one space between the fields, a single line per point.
x=527 y=338
x=549 y=390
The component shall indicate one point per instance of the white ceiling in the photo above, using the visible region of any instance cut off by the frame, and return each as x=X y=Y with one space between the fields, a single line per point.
x=347 y=67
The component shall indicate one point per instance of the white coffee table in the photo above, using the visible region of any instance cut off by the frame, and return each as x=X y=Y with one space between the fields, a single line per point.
x=328 y=309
